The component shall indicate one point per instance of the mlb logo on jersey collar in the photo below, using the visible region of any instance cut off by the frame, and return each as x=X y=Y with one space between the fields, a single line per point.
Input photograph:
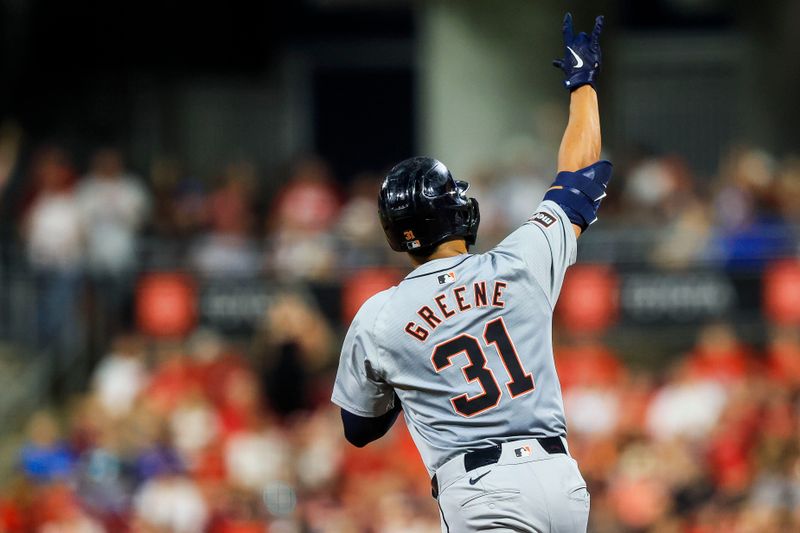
x=449 y=277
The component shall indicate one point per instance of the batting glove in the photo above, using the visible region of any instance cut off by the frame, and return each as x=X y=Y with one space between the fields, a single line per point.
x=582 y=57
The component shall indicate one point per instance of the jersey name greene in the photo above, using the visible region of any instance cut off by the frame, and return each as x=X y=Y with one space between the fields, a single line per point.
x=454 y=301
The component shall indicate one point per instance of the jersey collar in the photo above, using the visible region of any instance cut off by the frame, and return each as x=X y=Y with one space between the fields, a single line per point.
x=436 y=266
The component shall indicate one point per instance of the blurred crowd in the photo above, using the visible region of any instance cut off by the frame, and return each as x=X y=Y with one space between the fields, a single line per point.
x=742 y=216
x=712 y=443
x=203 y=435
x=306 y=223
x=198 y=436
x=107 y=222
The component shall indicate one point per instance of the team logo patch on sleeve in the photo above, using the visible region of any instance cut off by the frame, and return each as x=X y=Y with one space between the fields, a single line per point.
x=543 y=219
x=449 y=277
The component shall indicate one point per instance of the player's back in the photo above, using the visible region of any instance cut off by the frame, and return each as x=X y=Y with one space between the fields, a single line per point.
x=466 y=343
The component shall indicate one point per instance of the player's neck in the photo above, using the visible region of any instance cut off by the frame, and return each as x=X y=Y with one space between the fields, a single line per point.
x=446 y=249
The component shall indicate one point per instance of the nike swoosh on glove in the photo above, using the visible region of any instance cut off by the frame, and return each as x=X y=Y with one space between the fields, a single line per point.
x=582 y=55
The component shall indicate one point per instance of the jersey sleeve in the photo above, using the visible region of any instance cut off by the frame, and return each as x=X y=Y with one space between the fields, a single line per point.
x=547 y=245
x=359 y=387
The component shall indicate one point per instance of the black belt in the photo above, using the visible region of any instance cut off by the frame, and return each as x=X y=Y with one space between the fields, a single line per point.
x=491 y=454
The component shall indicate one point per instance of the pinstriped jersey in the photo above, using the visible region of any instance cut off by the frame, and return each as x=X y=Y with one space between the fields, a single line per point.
x=466 y=343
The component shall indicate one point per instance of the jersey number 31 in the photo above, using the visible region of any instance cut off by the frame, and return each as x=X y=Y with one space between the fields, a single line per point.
x=495 y=332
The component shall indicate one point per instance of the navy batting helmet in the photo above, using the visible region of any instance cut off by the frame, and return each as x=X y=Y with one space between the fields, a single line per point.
x=420 y=205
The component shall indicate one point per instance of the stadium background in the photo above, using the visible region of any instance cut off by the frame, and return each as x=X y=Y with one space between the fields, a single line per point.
x=187 y=224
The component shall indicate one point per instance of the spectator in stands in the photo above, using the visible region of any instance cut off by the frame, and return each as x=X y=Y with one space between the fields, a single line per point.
x=114 y=205
x=193 y=426
x=158 y=458
x=293 y=345
x=729 y=445
x=318 y=450
x=657 y=189
x=54 y=236
x=746 y=176
x=687 y=235
x=310 y=199
x=719 y=355
x=301 y=222
x=228 y=249
x=213 y=360
x=358 y=228
x=46 y=457
x=174 y=378
x=59 y=511
x=686 y=406
x=257 y=455
x=638 y=493
x=180 y=203
x=170 y=501
x=751 y=228
x=103 y=478
x=590 y=375
x=241 y=404
x=120 y=376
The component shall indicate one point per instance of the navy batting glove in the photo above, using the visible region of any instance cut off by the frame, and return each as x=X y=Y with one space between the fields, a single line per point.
x=582 y=57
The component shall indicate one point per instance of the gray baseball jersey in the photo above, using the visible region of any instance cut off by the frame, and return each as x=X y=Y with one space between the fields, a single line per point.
x=465 y=342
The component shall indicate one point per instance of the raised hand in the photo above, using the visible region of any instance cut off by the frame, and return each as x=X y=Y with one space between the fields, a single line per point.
x=582 y=55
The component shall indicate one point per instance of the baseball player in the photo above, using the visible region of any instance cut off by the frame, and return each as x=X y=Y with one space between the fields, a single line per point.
x=463 y=344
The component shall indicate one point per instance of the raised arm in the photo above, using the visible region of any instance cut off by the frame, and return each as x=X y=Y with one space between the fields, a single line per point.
x=582 y=179
x=580 y=145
